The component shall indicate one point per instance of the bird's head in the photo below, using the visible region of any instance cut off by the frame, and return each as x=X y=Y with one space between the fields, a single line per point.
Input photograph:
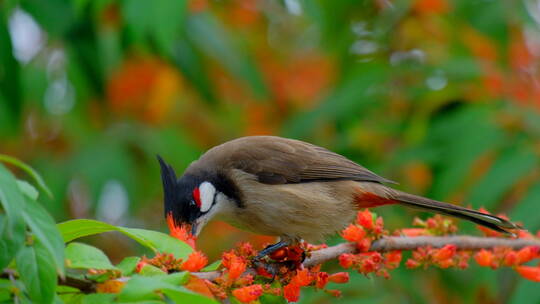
x=190 y=201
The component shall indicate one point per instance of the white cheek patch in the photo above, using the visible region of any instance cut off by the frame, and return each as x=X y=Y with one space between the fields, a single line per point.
x=207 y=191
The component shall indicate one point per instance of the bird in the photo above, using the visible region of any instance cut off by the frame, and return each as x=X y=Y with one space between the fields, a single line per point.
x=287 y=188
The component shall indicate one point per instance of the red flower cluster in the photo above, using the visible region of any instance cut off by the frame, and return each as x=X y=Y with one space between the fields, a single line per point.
x=447 y=256
x=233 y=278
x=312 y=277
x=249 y=293
x=168 y=263
x=181 y=232
x=236 y=280
x=498 y=257
x=364 y=231
x=195 y=262
x=368 y=228
x=239 y=280
x=371 y=262
x=235 y=265
x=164 y=261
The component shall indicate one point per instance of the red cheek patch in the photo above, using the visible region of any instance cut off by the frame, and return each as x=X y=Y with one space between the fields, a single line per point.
x=197 y=197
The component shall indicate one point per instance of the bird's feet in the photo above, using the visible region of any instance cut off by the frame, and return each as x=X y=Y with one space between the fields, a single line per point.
x=279 y=257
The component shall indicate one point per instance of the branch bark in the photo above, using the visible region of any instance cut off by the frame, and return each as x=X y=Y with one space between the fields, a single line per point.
x=403 y=243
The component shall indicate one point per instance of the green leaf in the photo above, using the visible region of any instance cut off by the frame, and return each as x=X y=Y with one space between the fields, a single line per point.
x=506 y=172
x=31 y=172
x=157 y=241
x=212 y=267
x=162 y=242
x=272 y=299
x=162 y=20
x=525 y=292
x=74 y=229
x=150 y=271
x=84 y=256
x=453 y=160
x=69 y=295
x=10 y=85
x=347 y=100
x=6 y=288
x=127 y=265
x=55 y=16
x=144 y=288
x=28 y=189
x=190 y=62
x=37 y=272
x=98 y=298
x=186 y=296
x=45 y=230
x=212 y=38
x=522 y=211
x=12 y=228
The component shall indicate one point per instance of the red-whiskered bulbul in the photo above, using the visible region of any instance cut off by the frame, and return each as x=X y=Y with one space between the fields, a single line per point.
x=288 y=188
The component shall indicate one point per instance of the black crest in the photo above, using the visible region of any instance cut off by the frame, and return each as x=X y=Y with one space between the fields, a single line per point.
x=177 y=194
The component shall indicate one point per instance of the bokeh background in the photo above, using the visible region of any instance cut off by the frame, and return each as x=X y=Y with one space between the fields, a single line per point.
x=442 y=96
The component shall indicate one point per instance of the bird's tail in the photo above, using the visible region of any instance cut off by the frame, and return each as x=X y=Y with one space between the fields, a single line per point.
x=493 y=222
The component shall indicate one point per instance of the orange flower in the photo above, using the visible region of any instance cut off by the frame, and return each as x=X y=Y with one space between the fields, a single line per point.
x=445 y=263
x=353 y=233
x=529 y=272
x=411 y=264
x=445 y=253
x=365 y=219
x=340 y=277
x=336 y=293
x=195 y=262
x=110 y=286
x=144 y=87
x=379 y=225
x=346 y=260
x=140 y=265
x=392 y=259
x=181 y=232
x=412 y=232
x=263 y=272
x=302 y=278
x=291 y=292
x=484 y=258
x=511 y=259
x=363 y=245
x=249 y=293
x=234 y=263
x=322 y=280
x=526 y=254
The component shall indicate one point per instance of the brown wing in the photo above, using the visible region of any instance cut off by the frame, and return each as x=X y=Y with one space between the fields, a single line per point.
x=277 y=160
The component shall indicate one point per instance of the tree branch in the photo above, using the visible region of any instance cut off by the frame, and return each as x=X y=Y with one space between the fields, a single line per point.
x=403 y=243
x=384 y=244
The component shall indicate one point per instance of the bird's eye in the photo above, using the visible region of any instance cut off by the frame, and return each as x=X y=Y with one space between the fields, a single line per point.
x=192 y=203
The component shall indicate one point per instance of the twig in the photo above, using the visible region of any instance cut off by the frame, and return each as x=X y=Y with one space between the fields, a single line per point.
x=403 y=243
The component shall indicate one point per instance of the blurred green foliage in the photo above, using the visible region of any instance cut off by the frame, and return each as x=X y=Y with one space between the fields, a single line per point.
x=440 y=95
